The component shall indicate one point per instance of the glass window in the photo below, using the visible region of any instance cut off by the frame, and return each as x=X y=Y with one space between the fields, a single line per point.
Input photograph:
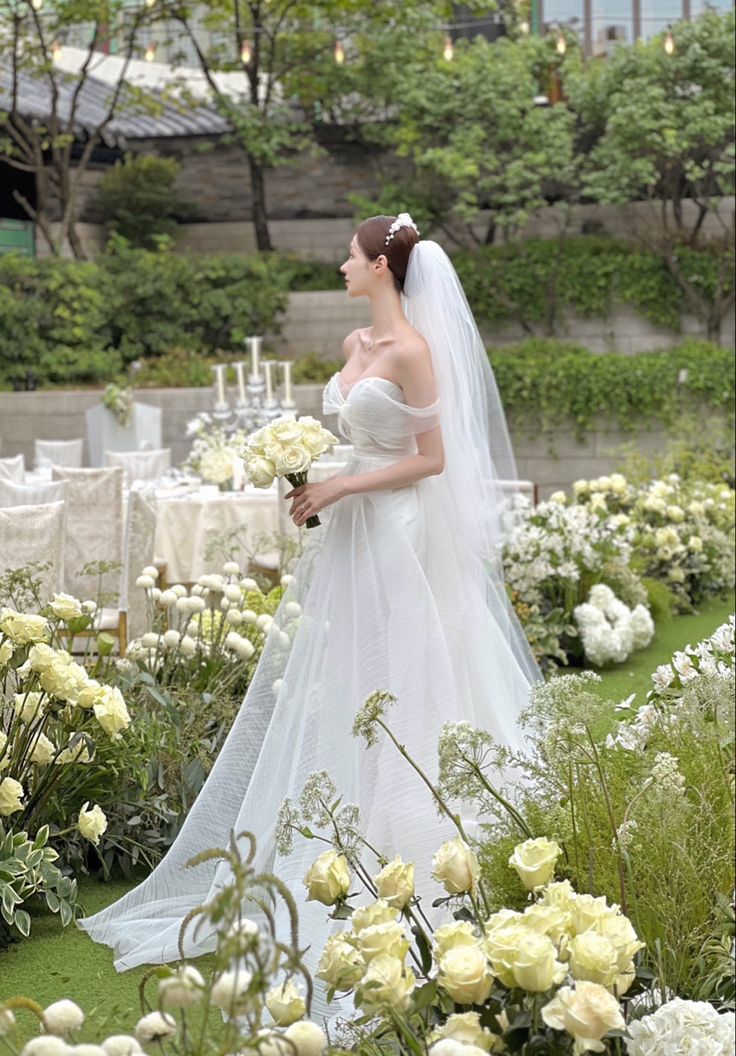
x=656 y=15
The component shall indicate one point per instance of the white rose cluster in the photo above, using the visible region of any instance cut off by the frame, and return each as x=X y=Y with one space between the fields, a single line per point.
x=214 y=454
x=285 y=447
x=609 y=630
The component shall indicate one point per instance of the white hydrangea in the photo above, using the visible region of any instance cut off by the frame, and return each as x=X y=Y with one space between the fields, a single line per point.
x=609 y=630
x=688 y=1028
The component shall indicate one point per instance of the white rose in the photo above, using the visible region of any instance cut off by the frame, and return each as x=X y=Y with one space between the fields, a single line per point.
x=11 y=795
x=286 y=1004
x=121 y=1045
x=619 y=930
x=216 y=465
x=341 y=965
x=593 y=957
x=23 y=627
x=501 y=945
x=230 y=992
x=395 y=883
x=43 y=750
x=156 y=1026
x=182 y=989
x=453 y=1047
x=465 y=974
x=6 y=653
x=293 y=459
x=65 y=606
x=111 y=712
x=260 y=471
x=383 y=940
x=587 y=1013
x=378 y=912
x=448 y=936
x=92 y=823
x=63 y=1018
x=307 y=1038
x=465 y=1028
x=327 y=879
x=455 y=866
x=534 y=861
x=28 y=705
x=385 y=984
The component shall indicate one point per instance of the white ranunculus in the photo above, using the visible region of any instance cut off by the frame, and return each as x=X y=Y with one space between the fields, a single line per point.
x=230 y=992
x=65 y=606
x=11 y=796
x=455 y=866
x=286 y=1003
x=395 y=883
x=63 y=1018
x=534 y=861
x=587 y=1012
x=92 y=823
x=328 y=878
x=182 y=989
x=121 y=1045
x=156 y=1026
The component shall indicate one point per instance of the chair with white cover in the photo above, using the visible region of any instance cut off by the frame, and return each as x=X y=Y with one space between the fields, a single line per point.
x=33 y=494
x=13 y=468
x=140 y=465
x=34 y=535
x=93 y=532
x=58 y=453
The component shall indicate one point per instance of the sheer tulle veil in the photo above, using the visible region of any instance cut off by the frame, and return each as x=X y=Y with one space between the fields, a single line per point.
x=480 y=468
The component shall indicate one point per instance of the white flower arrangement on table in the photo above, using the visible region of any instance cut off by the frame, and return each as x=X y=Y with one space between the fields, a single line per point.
x=286 y=447
x=609 y=630
x=119 y=401
x=215 y=452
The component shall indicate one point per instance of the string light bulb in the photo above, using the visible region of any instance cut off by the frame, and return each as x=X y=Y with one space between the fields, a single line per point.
x=150 y=53
x=36 y=4
x=55 y=49
x=669 y=42
x=449 y=49
x=246 y=52
x=524 y=28
x=150 y=3
x=561 y=44
x=339 y=53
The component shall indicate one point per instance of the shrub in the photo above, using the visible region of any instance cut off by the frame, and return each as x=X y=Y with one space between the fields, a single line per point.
x=138 y=199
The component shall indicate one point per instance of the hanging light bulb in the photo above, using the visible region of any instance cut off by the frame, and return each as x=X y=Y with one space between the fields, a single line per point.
x=339 y=53
x=150 y=3
x=150 y=53
x=246 y=52
x=524 y=27
x=449 y=50
x=669 y=42
x=55 y=49
x=561 y=44
x=36 y=4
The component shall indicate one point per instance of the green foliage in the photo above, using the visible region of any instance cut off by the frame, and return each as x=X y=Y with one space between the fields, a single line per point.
x=139 y=200
x=27 y=869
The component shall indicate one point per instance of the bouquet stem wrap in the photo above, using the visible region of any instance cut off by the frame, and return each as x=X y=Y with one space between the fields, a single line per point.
x=297 y=480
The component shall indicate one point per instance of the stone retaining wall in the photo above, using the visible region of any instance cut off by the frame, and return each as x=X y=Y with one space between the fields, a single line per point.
x=552 y=459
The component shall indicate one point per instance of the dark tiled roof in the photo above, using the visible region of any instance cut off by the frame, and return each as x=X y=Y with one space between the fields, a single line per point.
x=132 y=120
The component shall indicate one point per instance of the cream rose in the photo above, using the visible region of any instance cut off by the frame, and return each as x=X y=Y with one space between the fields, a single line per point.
x=587 y=910
x=23 y=627
x=11 y=795
x=534 y=861
x=378 y=912
x=65 y=606
x=286 y=1004
x=587 y=1013
x=341 y=965
x=500 y=946
x=327 y=879
x=548 y=920
x=535 y=966
x=92 y=823
x=216 y=465
x=385 y=984
x=455 y=866
x=260 y=471
x=448 y=936
x=395 y=883
x=466 y=1028
x=383 y=940
x=43 y=750
x=6 y=653
x=293 y=459
x=111 y=712
x=4 y=755
x=464 y=973
x=619 y=930
x=593 y=957
x=28 y=706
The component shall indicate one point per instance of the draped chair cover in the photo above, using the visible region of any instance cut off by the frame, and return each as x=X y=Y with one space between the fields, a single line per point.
x=58 y=453
x=93 y=531
x=34 y=535
x=13 y=468
x=33 y=494
x=140 y=465
x=140 y=535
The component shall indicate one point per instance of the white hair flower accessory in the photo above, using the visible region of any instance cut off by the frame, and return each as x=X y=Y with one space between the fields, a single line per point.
x=402 y=220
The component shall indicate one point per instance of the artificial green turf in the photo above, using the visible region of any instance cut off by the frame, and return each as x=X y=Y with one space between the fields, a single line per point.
x=58 y=962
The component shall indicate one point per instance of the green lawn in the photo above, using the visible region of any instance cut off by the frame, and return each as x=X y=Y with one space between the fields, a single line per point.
x=58 y=963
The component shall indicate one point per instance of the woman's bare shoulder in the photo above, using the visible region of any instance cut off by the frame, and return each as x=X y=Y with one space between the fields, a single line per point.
x=351 y=343
x=411 y=350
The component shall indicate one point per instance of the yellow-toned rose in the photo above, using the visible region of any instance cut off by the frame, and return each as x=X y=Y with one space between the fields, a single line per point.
x=548 y=920
x=341 y=965
x=500 y=946
x=260 y=471
x=619 y=930
x=465 y=975
x=286 y=1004
x=41 y=656
x=92 y=823
x=65 y=606
x=111 y=712
x=587 y=910
x=385 y=984
x=6 y=653
x=501 y=918
x=286 y=430
x=43 y=750
x=559 y=893
x=293 y=459
x=395 y=883
x=587 y=1013
x=89 y=694
x=466 y=1028
x=383 y=940
x=327 y=879
x=455 y=866
x=593 y=957
x=534 y=861
x=28 y=706
x=535 y=966
x=11 y=796
x=80 y=753
x=23 y=627
x=448 y=936
x=64 y=679
x=378 y=912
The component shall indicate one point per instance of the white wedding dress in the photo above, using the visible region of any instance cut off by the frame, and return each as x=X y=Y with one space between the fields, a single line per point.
x=390 y=600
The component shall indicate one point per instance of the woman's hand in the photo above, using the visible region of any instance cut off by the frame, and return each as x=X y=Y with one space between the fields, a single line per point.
x=308 y=499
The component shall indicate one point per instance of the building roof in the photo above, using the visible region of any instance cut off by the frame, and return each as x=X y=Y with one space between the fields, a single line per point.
x=133 y=120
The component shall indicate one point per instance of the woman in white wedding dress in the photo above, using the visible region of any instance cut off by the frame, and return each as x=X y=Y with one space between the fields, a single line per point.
x=400 y=590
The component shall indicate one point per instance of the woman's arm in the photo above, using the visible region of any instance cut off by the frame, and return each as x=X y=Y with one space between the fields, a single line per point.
x=413 y=370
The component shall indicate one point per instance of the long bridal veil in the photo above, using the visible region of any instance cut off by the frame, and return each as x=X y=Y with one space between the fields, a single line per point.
x=400 y=590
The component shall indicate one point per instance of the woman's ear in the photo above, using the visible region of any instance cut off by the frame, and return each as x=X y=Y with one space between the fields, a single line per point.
x=381 y=262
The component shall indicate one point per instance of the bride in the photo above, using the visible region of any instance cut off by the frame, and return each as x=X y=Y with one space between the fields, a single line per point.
x=400 y=590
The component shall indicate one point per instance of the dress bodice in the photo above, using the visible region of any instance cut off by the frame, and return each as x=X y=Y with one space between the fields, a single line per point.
x=372 y=415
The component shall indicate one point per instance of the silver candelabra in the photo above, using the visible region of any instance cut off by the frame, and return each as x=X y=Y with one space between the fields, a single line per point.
x=259 y=395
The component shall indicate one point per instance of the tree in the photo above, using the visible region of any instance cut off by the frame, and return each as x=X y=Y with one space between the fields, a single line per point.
x=58 y=145
x=139 y=199
x=662 y=129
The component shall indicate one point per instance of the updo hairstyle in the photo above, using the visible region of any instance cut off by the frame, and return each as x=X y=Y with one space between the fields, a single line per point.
x=371 y=237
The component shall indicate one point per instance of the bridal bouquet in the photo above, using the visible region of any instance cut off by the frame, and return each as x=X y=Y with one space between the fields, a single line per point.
x=286 y=447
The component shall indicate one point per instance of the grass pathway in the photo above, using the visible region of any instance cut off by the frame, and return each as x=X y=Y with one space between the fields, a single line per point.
x=58 y=962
